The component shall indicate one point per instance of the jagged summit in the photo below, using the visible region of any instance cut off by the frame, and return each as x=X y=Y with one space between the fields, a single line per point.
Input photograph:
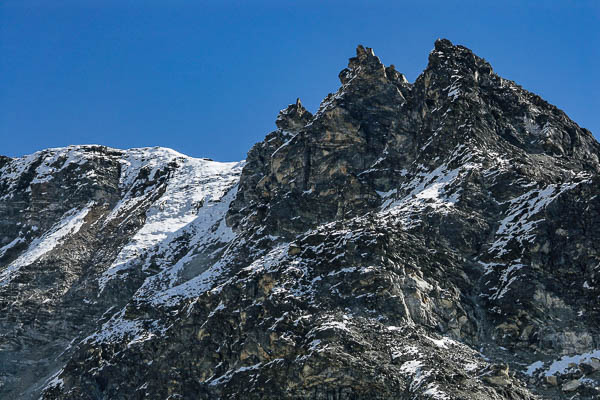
x=447 y=58
x=367 y=64
x=294 y=117
x=443 y=45
x=433 y=240
x=445 y=54
x=378 y=124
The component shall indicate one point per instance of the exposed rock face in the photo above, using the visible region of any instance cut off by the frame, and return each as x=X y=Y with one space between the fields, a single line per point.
x=429 y=240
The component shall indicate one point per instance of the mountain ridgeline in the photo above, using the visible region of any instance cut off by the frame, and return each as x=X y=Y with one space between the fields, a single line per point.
x=429 y=240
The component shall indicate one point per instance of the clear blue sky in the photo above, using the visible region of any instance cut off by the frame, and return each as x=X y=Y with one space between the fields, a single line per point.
x=208 y=78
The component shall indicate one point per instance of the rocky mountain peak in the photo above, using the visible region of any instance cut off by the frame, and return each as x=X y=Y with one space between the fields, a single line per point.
x=452 y=66
x=365 y=64
x=377 y=128
x=449 y=56
x=364 y=57
x=462 y=85
x=293 y=118
x=413 y=241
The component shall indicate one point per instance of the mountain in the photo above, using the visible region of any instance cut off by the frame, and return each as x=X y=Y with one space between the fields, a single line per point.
x=428 y=240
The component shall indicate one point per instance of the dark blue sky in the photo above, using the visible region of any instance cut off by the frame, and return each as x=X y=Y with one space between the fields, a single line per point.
x=208 y=78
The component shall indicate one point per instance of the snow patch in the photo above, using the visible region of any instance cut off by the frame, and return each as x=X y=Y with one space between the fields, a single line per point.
x=520 y=220
x=530 y=370
x=561 y=365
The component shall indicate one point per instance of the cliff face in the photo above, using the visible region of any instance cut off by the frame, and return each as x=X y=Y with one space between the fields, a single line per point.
x=429 y=240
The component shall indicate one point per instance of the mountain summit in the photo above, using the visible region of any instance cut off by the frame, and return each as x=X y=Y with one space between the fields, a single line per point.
x=428 y=240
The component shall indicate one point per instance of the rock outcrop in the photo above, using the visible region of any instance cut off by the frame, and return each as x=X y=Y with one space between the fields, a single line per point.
x=435 y=239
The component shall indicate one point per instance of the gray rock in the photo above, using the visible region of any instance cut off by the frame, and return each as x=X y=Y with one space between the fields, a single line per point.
x=571 y=385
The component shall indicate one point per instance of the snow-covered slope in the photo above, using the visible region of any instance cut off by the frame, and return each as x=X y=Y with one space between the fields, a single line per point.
x=86 y=218
x=190 y=205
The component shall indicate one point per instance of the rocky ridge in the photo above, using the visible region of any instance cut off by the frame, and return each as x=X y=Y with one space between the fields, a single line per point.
x=435 y=239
